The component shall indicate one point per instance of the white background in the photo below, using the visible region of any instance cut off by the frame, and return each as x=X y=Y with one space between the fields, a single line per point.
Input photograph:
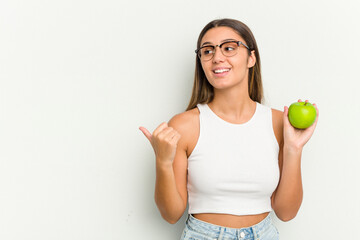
x=77 y=79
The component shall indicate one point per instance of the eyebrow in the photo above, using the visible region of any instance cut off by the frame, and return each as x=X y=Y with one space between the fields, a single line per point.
x=225 y=40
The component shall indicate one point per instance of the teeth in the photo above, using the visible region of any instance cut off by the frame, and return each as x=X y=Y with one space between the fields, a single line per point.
x=221 y=70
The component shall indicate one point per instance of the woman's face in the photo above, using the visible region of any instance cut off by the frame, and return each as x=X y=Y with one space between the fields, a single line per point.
x=221 y=71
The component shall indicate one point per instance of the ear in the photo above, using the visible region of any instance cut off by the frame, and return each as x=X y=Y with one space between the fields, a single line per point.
x=251 y=59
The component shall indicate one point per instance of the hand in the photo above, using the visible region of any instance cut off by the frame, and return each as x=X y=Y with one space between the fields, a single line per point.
x=297 y=138
x=164 y=141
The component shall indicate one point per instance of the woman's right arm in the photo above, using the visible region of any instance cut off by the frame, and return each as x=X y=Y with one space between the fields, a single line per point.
x=171 y=168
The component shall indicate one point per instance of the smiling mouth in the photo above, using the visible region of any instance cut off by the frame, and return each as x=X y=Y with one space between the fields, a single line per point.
x=217 y=71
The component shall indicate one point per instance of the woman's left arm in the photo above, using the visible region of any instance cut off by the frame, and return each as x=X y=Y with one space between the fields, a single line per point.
x=287 y=198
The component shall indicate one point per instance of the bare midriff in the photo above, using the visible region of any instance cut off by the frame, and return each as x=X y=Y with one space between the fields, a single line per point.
x=231 y=221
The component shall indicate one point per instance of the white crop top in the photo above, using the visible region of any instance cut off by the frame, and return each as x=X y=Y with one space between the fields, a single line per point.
x=233 y=168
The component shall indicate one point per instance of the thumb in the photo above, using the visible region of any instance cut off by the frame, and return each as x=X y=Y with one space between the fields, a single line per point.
x=286 y=118
x=146 y=133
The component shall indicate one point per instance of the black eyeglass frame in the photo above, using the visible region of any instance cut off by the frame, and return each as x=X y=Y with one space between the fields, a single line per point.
x=197 y=51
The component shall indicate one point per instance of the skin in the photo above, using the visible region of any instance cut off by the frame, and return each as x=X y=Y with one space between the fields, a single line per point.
x=173 y=142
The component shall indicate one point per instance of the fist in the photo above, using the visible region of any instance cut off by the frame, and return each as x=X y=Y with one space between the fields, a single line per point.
x=164 y=141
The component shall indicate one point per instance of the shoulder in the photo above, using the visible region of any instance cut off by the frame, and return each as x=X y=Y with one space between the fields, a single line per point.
x=277 y=116
x=278 y=124
x=187 y=125
x=182 y=121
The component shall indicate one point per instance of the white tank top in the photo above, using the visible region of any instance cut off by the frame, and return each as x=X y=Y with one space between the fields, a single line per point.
x=233 y=168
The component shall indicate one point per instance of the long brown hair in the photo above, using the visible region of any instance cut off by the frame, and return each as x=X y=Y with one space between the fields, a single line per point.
x=203 y=91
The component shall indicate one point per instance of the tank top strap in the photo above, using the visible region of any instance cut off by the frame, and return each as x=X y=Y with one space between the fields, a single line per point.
x=201 y=107
x=205 y=113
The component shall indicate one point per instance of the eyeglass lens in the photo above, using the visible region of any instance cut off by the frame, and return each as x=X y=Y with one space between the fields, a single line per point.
x=229 y=49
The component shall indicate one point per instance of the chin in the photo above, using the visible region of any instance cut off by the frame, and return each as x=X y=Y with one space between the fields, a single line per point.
x=224 y=85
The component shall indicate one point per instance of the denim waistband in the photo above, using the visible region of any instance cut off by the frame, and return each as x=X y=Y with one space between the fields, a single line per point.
x=251 y=232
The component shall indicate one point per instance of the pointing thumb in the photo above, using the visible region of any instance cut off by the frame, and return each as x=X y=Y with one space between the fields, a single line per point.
x=146 y=133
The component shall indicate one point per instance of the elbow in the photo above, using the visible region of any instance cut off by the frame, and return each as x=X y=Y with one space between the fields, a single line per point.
x=286 y=217
x=286 y=212
x=171 y=219
x=170 y=215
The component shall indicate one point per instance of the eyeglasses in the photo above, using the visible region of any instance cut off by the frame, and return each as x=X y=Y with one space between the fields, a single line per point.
x=228 y=49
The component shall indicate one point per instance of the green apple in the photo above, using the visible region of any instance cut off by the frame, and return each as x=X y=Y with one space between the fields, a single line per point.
x=302 y=114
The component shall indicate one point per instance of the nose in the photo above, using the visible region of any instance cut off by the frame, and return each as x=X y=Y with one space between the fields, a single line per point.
x=218 y=55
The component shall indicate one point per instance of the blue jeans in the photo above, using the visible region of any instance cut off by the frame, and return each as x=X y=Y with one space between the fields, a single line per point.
x=196 y=229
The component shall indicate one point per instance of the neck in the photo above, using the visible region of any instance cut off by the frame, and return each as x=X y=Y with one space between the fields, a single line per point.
x=233 y=103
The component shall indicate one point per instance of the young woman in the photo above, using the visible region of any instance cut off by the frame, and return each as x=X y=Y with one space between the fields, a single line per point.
x=231 y=158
